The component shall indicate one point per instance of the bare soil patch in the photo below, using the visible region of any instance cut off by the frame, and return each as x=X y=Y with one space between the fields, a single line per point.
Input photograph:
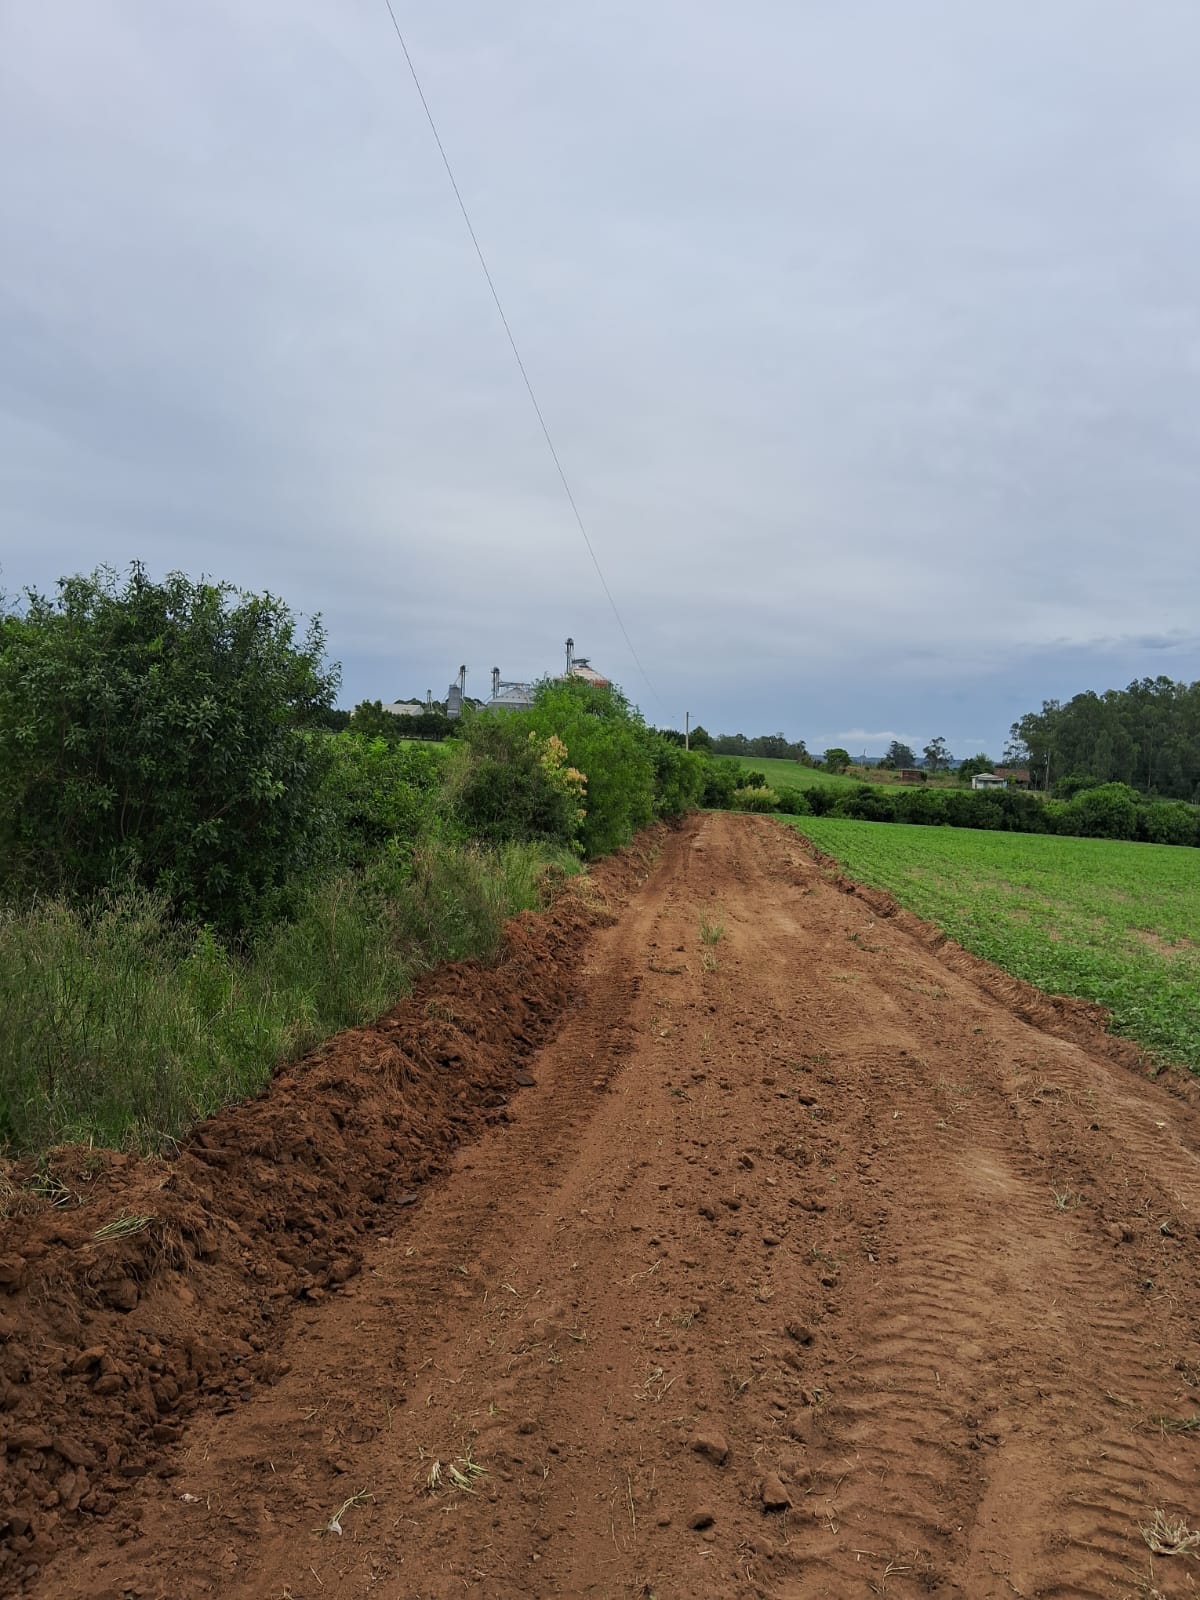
x=818 y=1260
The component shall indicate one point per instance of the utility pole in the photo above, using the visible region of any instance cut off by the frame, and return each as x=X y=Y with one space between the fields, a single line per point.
x=687 y=730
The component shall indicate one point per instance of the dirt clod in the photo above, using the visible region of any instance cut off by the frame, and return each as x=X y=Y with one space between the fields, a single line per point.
x=773 y=1495
x=713 y=1447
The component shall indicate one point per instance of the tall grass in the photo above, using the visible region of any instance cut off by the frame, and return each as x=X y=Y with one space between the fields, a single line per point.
x=120 y=1026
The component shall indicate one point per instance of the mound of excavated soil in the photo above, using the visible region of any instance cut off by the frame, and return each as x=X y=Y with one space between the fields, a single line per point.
x=134 y=1291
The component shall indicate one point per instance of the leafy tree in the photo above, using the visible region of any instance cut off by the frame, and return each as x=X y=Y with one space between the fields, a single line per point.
x=371 y=721
x=608 y=741
x=1016 y=751
x=899 y=756
x=701 y=739
x=164 y=732
x=973 y=765
x=433 y=724
x=837 y=759
x=937 y=755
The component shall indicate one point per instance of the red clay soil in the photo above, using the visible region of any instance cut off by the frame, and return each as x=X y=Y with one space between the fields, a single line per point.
x=817 y=1260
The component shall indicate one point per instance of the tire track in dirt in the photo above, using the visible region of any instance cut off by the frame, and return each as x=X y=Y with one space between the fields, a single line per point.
x=806 y=1268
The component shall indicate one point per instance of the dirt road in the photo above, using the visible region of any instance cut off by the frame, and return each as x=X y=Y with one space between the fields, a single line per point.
x=804 y=1268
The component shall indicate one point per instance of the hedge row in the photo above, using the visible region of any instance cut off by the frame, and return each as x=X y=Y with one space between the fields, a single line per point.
x=1112 y=811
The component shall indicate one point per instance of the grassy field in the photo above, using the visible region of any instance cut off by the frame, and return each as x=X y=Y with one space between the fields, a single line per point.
x=1110 y=922
x=790 y=773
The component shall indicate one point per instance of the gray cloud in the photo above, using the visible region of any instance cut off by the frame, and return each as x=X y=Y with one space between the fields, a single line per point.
x=869 y=335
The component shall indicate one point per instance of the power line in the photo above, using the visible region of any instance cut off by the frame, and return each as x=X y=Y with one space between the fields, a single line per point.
x=517 y=354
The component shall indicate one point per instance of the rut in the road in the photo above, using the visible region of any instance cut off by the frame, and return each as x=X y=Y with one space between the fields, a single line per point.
x=805 y=1216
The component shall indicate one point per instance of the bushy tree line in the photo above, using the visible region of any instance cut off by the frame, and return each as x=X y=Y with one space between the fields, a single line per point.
x=179 y=736
x=1146 y=736
x=766 y=746
x=1110 y=811
x=370 y=717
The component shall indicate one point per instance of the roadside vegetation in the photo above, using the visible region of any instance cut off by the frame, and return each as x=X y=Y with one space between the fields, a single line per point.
x=205 y=870
x=1106 y=921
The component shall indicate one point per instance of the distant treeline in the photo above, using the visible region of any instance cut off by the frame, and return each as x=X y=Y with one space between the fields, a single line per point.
x=766 y=746
x=1146 y=736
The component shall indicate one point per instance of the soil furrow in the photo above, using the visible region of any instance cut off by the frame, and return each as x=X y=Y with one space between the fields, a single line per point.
x=806 y=1267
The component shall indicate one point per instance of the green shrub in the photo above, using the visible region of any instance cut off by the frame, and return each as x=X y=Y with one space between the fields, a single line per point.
x=377 y=794
x=679 y=778
x=792 y=803
x=756 y=798
x=721 y=779
x=607 y=740
x=156 y=731
x=1169 y=822
x=507 y=781
x=1109 y=811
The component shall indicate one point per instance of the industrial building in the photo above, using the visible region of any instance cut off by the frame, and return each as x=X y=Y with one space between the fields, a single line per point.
x=514 y=695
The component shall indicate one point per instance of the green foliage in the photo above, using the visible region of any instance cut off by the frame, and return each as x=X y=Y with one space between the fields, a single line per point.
x=679 y=778
x=158 y=730
x=608 y=741
x=771 y=746
x=371 y=721
x=378 y=794
x=1169 y=822
x=937 y=756
x=507 y=781
x=205 y=869
x=837 y=759
x=899 y=756
x=1115 y=923
x=974 y=765
x=1107 y=812
x=121 y=1025
x=757 y=798
x=721 y=778
x=792 y=803
x=1146 y=735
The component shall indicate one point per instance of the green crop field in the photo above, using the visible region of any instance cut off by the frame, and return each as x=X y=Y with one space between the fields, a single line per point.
x=790 y=774
x=1106 y=921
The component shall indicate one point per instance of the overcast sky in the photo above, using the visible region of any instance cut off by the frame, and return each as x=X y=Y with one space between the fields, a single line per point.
x=868 y=333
